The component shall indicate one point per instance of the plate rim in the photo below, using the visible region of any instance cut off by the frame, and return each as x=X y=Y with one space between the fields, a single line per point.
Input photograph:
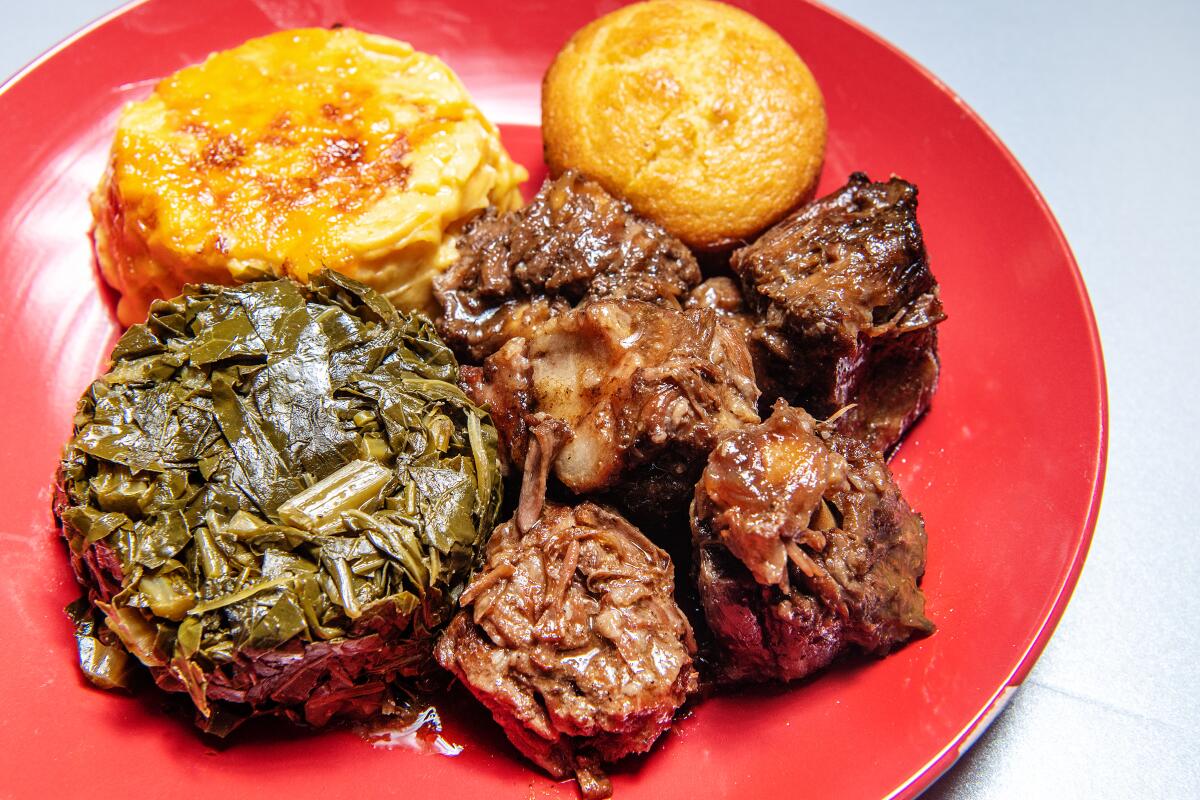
x=966 y=738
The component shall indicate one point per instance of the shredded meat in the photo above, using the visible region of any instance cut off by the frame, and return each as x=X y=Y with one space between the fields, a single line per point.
x=573 y=242
x=642 y=393
x=846 y=309
x=804 y=547
x=570 y=635
x=723 y=296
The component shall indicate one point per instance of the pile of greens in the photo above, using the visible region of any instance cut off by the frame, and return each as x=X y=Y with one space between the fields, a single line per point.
x=274 y=498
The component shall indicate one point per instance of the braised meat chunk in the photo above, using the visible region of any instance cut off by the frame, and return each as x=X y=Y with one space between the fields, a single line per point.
x=574 y=241
x=636 y=394
x=804 y=547
x=847 y=309
x=723 y=296
x=569 y=634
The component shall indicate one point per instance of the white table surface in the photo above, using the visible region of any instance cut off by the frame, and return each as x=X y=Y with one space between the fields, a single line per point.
x=1100 y=101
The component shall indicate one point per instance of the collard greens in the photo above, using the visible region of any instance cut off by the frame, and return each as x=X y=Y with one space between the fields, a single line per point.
x=274 y=498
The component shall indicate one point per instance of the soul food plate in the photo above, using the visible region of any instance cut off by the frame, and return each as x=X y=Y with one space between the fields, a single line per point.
x=1006 y=468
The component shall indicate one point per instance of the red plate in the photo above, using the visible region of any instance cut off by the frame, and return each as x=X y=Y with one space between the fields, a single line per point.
x=1007 y=467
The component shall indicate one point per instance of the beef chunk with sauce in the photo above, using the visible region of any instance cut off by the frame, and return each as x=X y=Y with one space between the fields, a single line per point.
x=846 y=309
x=573 y=242
x=620 y=397
x=804 y=548
x=569 y=634
x=723 y=296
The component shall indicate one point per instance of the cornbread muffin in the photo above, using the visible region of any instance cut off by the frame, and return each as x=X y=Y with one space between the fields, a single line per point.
x=699 y=114
x=297 y=151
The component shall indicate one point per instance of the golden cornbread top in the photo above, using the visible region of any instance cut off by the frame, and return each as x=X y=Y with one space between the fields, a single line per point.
x=699 y=114
x=308 y=148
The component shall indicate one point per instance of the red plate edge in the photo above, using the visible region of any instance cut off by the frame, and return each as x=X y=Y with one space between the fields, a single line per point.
x=68 y=41
x=954 y=749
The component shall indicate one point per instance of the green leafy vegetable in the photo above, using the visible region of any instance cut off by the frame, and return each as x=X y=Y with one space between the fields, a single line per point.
x=274 y=498
x=104 y=661
x=349 y=489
